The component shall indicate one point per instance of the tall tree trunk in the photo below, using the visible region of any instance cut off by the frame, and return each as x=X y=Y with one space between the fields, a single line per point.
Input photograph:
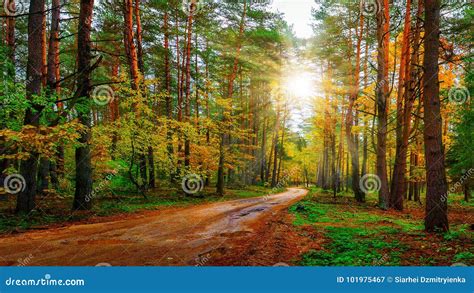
x=263 y=149
x=11 y=44
x=282 y=149
x=43 y=163
x=52 y=87
x=208 y=115
x=141 y=67
x=129 y=44
x=53 y=50
x=382 y=92
x=275 y=145
x=436 y=216
x=365 y=145
x=351 y=139
x=10 y=32
x=466 y=191
x=29 y=167
x=230 y=91
x=187 y=99
x=168 y=98
x=134 y=69
x=411 y=182
x=44 y=68
x=399 y=185
x=82 y=200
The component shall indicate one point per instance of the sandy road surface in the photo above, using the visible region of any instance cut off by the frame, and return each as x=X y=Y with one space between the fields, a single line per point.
x=174 y=236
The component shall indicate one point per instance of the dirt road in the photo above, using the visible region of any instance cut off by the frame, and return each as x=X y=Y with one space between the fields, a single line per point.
x=174 y=236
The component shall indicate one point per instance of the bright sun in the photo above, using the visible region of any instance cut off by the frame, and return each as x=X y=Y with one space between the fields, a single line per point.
x=300 y=85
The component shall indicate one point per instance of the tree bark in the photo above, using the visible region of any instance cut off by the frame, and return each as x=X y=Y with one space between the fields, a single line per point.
x=187 y=98
x=29 y=167
x=352 y=140
x=129 y=44
x=220 y=171
x=10 y=32
x=436 y=213
x=168 y=101
x=382 y=92
x=399 y=184
x=275 y=150
x=82 y=200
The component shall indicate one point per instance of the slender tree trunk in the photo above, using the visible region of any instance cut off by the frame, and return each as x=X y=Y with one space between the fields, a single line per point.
x=44 y=68
x=187 y=99
x=351 y=139
x=230 y=91
x=275 y=151
x=168 y=98
x=208 y=115
x=411 y=183
x=141 y=67
x=399 y=184
x=129 y=44
x=382 y=92
x=263 y=148
x=467 y=191
x=11 y=44
x=29 y=167
x=82 y=200
x=364 y=152
x=43 y=163
x=282 y=143
x=196 y=82
x=51 y=166
x=139 y=37
x=436 y=217
x=10 y=32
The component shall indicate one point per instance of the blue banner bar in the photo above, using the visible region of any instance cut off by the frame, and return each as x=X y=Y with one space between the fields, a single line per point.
x=237 y=279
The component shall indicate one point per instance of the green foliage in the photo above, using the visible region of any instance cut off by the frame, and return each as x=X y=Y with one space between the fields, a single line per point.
x=354 y=246
x=464 y=256
x=460 y=156
x=458 y=232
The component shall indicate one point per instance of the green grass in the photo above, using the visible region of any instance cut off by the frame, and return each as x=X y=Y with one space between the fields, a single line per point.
x=458 y=232
x=307 y=212
x=349 y=245
x=361 y=235
x=466 y=256
x=354 y=247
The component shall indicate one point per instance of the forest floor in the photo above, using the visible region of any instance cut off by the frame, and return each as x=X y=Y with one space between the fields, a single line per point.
x=171 y=236
x=323 y=231
x=285 y=229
